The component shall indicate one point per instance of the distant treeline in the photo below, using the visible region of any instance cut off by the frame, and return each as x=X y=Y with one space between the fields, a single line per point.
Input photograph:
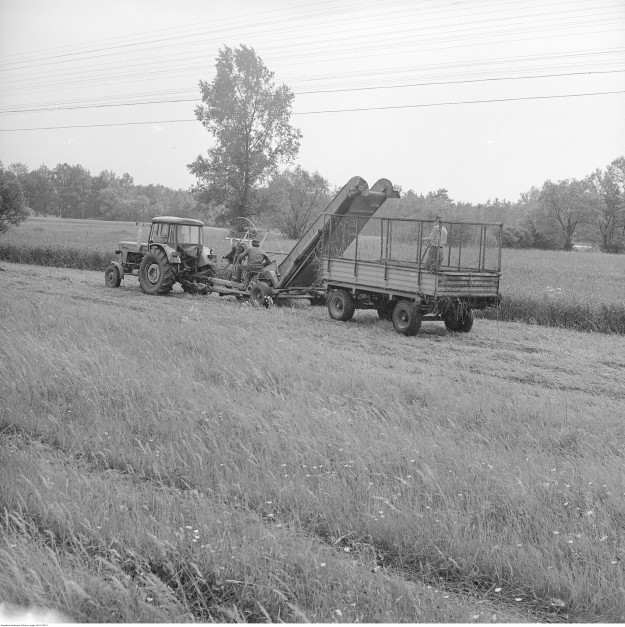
x=555 y=216
x=70 y=191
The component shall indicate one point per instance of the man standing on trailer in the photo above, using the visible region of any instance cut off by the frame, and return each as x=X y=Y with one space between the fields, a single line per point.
x=257 y=259
x=436 y=241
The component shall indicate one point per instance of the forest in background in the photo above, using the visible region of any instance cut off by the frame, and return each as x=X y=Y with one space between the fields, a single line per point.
x=554 y=216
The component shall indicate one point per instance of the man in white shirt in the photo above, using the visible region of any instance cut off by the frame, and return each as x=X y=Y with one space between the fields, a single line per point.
x=435 y=241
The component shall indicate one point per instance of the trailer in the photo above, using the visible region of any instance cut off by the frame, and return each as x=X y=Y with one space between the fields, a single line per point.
x=411 y=270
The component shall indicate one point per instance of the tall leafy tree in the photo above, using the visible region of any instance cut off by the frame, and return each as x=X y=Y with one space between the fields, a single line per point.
x=249 y=119
x=12 y=200
x=41 y=194
x=610 y=185
x=569 y=208
x=19 y=169
x=73 y=184
x=294 y=199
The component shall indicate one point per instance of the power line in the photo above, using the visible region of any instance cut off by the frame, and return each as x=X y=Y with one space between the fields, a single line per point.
x=383 y=108
x=340 y=47
x=321 y=49
x=460 y=102
x=323 y=13
x=593 y=60
x=317 y=91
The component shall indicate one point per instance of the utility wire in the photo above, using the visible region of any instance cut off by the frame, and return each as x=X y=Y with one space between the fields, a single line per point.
x=598 y=56
x=336 y=49
x=318 y=91
x=237 y=23
x=346 y=9
x=321 y=48
x=383 y=108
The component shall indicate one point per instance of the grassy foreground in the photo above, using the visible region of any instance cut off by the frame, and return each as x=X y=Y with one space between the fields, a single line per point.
x=185 y=458
x=580 y=291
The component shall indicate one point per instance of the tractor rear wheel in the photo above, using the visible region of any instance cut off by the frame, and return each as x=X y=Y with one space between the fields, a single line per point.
x=260 y=295
x=406 y=317
x=112 y=276
x=156 y=274
x=461 y=322
x=341 y=305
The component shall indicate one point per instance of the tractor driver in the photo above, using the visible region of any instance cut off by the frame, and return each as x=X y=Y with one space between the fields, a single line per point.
x=257 y=259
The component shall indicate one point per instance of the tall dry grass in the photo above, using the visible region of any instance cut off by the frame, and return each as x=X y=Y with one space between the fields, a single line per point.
x=186 y=458
x=581 y=291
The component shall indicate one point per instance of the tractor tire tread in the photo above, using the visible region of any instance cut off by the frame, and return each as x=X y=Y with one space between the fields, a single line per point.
x=167 y=274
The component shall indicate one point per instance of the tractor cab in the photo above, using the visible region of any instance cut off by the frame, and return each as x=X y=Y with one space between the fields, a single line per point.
x=184 y=235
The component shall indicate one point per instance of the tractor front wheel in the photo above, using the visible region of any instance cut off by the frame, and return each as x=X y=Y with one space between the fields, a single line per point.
x=156 y=274
x=341 y=305
x=406 y=317
x=112 y=276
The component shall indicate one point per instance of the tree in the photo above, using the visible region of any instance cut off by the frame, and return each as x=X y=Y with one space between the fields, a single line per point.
x=19 y=169
x=610 y=185
x=248 y=117
x=12 y=201
x=569 y=208
x=440 y=194
x=41 y=194
x=118 y=203
x=295 y=198
x=73 y=184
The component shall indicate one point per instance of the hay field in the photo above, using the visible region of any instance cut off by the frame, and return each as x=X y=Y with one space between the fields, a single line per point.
x=584 y=291
x=191 y=458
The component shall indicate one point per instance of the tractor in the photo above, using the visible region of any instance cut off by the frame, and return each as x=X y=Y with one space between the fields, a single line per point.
x=174 y=253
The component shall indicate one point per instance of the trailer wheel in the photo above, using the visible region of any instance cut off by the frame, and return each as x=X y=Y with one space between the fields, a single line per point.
x=112 y=277
x=462 y=323
x=341 y=305
x=156 y=274
x=406 y=317
x=260 y=295
x=385 y=310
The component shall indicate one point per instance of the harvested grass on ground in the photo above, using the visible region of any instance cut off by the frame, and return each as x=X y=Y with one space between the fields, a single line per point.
x=303 y=466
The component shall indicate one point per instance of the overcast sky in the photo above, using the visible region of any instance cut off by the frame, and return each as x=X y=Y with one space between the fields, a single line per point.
x=485 y=98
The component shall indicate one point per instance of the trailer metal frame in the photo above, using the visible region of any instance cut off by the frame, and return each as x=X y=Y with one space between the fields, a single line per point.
x=447 y=291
